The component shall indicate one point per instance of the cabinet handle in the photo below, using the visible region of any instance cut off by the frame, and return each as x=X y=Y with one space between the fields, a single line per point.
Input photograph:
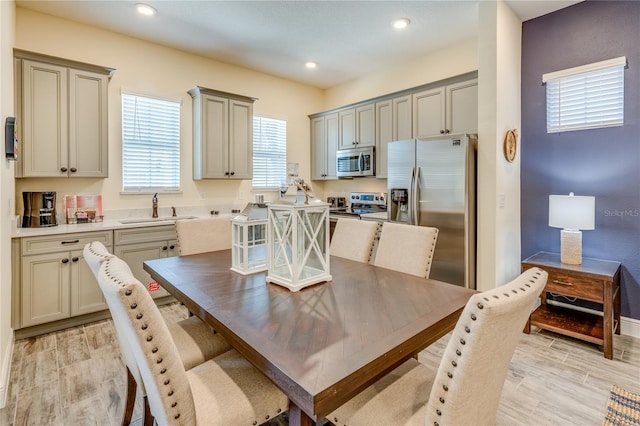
x=73 y=170
x=563 y=283
x=445 y=130
x=233 y=173
x=164 y=248
x=65 y=260
x=171 y=247
x=63 y=169
x=70 y=242
x=74 y=259
x=442 y=132
x=226 y=173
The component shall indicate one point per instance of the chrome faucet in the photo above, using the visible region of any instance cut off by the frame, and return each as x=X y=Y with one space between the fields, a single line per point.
x=154 y=204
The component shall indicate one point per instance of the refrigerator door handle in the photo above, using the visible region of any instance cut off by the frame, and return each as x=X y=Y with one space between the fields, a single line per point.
x=416 y=197
x=411 y=196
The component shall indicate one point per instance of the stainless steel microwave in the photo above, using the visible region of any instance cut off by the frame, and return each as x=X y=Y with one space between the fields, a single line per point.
x=356 y=162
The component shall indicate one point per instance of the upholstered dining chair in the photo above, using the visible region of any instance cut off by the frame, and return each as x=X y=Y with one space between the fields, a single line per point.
x=466 y=388
x=195 y=340
x=353 y=239
x=406 y=248
x=203 y=234
x=225 y=390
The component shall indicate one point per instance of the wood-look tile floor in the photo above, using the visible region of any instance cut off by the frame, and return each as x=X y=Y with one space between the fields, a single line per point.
x=76 y=377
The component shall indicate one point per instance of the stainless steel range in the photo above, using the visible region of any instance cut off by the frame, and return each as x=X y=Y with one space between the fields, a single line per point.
x=362 y=203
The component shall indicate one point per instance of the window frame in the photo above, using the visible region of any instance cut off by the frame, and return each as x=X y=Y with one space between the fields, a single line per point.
x=170 y=138
x=586 y=97
x=276 y=182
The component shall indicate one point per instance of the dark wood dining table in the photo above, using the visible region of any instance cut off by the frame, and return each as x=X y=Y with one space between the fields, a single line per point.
x=325 y=343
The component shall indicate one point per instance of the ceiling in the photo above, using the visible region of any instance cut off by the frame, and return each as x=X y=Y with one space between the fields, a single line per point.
x=347 y=39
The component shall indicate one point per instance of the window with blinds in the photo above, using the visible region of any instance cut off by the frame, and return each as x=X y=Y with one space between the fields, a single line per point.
x=269 y=152
x=586 y=97
x=150 y=144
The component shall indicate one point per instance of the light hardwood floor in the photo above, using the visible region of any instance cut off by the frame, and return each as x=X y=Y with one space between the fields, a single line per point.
x=76 y=377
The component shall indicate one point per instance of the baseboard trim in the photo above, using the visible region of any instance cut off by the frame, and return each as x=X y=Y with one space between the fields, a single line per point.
x=5 y=374
x=630 y=327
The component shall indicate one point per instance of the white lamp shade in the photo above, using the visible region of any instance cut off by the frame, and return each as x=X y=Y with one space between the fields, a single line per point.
x=572 y=212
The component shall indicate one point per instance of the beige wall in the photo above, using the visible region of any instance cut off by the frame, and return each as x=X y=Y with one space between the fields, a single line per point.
x=157 y=70
x=7 y=19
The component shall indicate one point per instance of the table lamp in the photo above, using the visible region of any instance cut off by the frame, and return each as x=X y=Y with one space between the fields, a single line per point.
x=573 y=214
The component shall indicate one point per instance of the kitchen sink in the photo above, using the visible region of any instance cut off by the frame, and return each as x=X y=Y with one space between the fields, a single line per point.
x=156 y=219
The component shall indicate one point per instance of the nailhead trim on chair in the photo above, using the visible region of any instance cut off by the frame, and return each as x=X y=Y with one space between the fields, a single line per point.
x=468 y=330
x=433 y=247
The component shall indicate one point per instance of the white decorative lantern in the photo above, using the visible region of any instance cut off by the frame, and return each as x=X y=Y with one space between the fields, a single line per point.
x=298 y=244
x=249 y=240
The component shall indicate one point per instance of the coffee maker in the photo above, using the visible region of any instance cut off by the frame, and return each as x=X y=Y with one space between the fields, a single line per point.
x=39 y=209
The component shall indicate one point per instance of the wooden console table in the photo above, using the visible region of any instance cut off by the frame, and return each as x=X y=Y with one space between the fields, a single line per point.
x=596 y=281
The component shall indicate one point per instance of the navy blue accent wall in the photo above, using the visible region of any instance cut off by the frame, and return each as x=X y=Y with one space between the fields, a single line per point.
x=605 y=162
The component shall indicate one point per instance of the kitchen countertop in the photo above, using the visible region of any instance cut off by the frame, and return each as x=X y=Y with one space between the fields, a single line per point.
x=105 y=225
x=382 y=216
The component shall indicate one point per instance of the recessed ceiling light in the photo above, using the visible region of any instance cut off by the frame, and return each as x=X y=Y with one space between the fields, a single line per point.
x=310 y=65
x=402 y=23
x=145 y=9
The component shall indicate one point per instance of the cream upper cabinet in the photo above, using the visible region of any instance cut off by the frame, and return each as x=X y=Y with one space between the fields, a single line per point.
x=324 y=144
x=357 y=127
x=447 y=109
x=62 y=117
x=222 y=135
x=393 y=122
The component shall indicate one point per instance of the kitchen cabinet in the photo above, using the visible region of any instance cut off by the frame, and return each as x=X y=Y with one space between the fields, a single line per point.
x=222 y=135
x=393 y=122
x=357 y=127
x=446 y=110
x=61 y=117
x=324 y=144
x=135 y=245
x=51 y=280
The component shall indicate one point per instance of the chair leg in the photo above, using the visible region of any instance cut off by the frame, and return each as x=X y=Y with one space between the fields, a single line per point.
x=148 y=418
x=130 y=400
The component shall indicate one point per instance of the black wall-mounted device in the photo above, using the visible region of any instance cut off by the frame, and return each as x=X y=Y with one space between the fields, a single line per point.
x=10 y=140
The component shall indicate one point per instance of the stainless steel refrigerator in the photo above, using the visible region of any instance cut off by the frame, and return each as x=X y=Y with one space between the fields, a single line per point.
x=431 y=182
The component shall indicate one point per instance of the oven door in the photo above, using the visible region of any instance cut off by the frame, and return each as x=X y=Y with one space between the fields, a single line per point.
x=355 y=162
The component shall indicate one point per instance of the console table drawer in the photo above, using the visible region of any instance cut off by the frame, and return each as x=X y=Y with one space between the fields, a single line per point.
x=582 y=287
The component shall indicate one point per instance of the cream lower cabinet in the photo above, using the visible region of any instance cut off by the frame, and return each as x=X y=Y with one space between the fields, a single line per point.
x=53 y=281
x=135 y=245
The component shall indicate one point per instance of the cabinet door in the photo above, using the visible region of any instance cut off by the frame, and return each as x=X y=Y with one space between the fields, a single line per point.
x=384 y=135
x=402 y=118
x=135 y=254
x=44 y=120
x=347 y=128
x=331 y=137
x=88 y=136
x=462 y=107
x=86 y=296
x=429 y=113
x=240 y=140
x=318 y=155
x=365 y=126
x=45 y=288
x=213 y=146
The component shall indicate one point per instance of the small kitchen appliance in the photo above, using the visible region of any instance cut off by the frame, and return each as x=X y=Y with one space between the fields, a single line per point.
x=39 y=209
x=355 y=162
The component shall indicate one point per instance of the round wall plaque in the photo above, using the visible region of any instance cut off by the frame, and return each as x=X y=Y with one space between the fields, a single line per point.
x=511 y=145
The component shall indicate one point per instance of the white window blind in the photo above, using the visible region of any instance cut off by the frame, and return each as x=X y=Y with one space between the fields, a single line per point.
x=269 y=152
x=586 y=97
x=150 y=144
